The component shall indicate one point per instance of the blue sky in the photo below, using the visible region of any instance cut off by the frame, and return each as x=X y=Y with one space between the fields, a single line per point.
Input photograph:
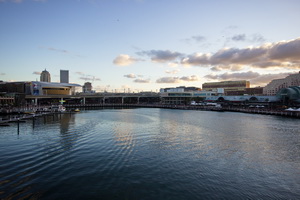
x=145 y=45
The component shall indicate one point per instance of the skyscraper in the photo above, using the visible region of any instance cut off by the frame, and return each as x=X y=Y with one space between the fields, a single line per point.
x=45 y=76
x=64 y=76
x=87 y=87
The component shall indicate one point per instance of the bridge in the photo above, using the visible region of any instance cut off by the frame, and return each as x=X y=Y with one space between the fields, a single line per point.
x=95 y=98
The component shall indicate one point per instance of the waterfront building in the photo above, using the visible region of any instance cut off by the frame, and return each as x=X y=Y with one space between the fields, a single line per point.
x=180 y=89
x=246 y=99
x=87 y=87
x=277 y=84
x=64 y=76
x=230 y=87
x=180 y=97
x=254 y=91
x=38 y=88
x=45 y=76
x=290 y=95
x=6 y=100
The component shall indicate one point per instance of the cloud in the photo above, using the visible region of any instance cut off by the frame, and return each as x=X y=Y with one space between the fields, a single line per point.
x=173 y=64
x=168 y=80
x=177 y=79
x=240 y=37
x=254 y=38
x=255 y=78
x=130 y=76
x=197 y=59
x=175 y=71
x=140 y=80
x=161 y=56
x=189 y=78
x=233 y=76
x=61 y=51
x=37 y=73
x=87 y=77
x=284 y=54
x=124 y=60
x=58 y=50
x=257 y=38
x=286 y=51
x=198 y=38
x=80 y=73
x=227 y=67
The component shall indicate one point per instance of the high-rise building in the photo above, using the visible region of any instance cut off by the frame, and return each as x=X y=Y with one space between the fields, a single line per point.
x=87 y=87
x=45 y=76
x=64 y=76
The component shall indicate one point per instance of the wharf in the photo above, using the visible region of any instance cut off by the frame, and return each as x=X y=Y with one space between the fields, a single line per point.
x=282 y=113
x=4 y=121
x=19 y=118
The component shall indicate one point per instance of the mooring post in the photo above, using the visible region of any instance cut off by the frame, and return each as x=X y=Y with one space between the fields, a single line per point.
x=18 y=126
x=33 y=121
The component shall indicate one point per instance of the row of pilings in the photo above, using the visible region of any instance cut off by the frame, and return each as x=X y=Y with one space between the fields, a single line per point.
x=18 y=119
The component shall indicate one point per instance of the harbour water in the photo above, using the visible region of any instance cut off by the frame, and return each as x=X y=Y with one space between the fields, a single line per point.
x=151 y=154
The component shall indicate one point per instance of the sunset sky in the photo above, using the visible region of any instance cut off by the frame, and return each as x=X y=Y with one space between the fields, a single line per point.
x=145 y=45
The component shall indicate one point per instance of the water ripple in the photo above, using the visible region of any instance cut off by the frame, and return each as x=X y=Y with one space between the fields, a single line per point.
x=151 y=154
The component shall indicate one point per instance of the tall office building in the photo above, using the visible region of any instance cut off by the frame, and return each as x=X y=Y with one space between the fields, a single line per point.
x=87 y=87
x=45 y=76
x=64 y=76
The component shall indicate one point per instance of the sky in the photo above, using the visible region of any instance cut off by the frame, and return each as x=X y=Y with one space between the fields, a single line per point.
x=145 y=45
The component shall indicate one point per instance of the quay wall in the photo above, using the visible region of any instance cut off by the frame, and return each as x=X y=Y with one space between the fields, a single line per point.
x=283 y=113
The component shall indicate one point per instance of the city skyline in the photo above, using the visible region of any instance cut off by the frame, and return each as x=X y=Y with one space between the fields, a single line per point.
x=145 y=45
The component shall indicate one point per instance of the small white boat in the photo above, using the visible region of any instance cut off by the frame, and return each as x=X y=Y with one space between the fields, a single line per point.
x=59 y=108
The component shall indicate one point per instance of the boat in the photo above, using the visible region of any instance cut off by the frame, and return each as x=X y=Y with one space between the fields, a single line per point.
x=76 y=110
x=31 y=111
x=59 y=108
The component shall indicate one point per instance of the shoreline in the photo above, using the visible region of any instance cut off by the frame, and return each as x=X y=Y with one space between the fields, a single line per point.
x=283 y=113
x=16 y=116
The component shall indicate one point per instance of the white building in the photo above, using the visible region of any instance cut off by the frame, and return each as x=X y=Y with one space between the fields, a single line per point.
x=277 y=84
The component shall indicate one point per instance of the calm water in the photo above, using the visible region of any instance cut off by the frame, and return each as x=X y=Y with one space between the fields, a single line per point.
x=151 y=154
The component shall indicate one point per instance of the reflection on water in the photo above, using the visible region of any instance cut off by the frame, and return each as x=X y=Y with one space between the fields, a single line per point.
x=151 y=154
